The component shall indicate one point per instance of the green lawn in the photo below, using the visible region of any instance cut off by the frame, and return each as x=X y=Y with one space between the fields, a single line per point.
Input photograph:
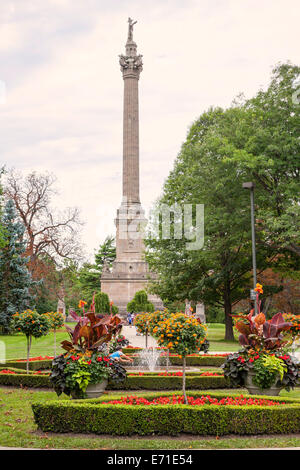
x=17 y=429
x=15 y=345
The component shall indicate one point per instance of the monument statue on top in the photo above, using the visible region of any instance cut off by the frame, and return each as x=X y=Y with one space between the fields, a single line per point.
x=129 y=272
x=130 y=29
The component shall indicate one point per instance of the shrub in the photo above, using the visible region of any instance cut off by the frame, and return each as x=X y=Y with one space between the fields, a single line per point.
x=140 y=303
x=92 y=417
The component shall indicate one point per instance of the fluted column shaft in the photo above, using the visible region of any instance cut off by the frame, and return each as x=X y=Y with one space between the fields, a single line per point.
x=131 y=184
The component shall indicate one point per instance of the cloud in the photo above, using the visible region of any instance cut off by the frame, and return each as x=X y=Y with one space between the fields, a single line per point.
x=63 y=111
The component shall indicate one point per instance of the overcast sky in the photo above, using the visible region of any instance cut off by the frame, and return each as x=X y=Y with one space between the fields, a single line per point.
x=64 y=88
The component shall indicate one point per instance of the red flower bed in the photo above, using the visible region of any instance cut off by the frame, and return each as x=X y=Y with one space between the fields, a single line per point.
x=178 y=374
x=38 y=358
x=163 y=354
x=7 y=371
x=203 y=400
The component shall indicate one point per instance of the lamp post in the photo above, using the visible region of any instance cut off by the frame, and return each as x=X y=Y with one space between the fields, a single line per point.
x=250 y=185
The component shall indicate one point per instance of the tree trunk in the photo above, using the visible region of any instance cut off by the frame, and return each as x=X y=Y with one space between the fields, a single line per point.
x=54 y=332
x=28 y=352
x=229 y=336
x=184 y=380
x=168 y=360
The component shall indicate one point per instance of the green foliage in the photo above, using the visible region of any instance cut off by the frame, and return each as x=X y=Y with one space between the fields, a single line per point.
x=152 y=382
x=15 y=279
x=255 y=140
x=33 y=365
x=31 y=323
x=103 y=304
x=90 y=417
x=267 y=371
x=72 y=373
x=140 y=303
x=83 y=281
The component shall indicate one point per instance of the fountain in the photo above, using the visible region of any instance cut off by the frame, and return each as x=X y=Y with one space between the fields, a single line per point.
x=149 y=358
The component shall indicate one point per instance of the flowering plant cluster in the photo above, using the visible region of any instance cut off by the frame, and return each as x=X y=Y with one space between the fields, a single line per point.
x=73 y=372
x=263 y=351
x=267 y=369
x=87 y=359
x=7 y=371
x=31 y=323
x=155 y=318
x=180 y=332
x=56 y=319
x=203 y=400
x=294 y=320
x=142 y=322
x=118 y=341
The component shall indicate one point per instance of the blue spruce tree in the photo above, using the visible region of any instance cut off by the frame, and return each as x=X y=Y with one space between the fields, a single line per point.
x=15 y=279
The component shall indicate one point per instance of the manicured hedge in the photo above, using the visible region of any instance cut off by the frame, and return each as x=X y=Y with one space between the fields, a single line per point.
x=211 y=361
x=154 y=382
x=25 y=380
x=147 y=382
x=88 y=416
x=33 y=365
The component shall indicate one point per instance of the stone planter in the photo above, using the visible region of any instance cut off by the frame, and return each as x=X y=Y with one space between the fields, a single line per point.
x=93 y=390
x=253 y=389
x=96 y=390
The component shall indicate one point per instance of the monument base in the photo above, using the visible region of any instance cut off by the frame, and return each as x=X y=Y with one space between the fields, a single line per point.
x=125 y=279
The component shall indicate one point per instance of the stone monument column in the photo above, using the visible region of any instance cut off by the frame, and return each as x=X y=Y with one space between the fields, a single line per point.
x=129 y=271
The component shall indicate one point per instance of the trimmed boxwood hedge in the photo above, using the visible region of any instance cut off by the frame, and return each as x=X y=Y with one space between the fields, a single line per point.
x=201 y=361
x=146 y=382
x=25 y=380
x=33 y=365
x=88 y=416
x=154 y=382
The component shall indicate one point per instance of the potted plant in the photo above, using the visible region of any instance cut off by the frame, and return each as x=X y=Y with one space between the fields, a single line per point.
x=263 y=365
x=83 y=371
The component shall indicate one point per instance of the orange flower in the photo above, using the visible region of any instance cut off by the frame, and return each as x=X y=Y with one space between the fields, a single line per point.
x=81 y=304
x=259 y=288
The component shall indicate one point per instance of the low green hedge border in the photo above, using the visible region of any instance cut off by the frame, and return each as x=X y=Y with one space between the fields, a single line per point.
x=33 y=365
x=213 y=361
x=147 y=382
x=154 y=382
x=88 y=416
x=25 y=380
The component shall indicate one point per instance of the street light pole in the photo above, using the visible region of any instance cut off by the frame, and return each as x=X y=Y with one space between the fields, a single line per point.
x=251 y=186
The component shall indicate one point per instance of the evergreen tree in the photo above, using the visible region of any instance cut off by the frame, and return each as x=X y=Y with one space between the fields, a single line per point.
x=15 y=279
x=140 y=303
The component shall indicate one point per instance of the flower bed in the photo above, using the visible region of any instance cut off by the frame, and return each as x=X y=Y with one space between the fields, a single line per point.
x=94 y=416
x=203 y=400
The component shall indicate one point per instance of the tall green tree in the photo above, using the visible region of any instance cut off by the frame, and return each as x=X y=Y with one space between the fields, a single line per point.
x=15 y=280
x=270 y=140
x=254 y=140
